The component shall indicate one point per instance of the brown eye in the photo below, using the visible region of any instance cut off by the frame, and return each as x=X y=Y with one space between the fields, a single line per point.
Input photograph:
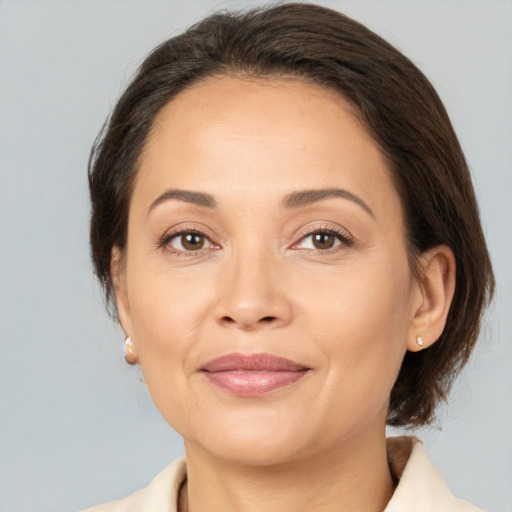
x=189 y=241
x=323 y=240
x=192 y=241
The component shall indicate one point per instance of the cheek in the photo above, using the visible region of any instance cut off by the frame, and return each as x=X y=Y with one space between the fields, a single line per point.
x=369 y=301
x=167 y=311
x=361 y=327
x=165 y=306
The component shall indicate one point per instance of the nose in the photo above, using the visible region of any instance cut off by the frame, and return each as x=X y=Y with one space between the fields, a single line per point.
x=253 y=294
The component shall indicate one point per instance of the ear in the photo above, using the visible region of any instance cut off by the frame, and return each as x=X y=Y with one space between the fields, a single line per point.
x=118 y=273
x=436 y=285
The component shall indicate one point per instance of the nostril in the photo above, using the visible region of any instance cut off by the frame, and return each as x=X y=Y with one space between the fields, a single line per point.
x=227 y=320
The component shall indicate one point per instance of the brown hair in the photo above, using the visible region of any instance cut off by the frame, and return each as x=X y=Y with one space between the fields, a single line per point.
x=396 y=103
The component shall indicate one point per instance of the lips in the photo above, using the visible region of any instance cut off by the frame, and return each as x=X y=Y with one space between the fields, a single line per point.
x=252 y=375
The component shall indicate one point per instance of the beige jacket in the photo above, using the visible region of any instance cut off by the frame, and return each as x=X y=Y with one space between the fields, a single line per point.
x=420 y=486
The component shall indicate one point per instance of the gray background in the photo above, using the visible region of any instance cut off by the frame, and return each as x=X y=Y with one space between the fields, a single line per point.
x=76 y=425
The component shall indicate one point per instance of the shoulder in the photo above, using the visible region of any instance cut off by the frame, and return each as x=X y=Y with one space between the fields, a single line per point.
x=161 y=494
x=420 y=486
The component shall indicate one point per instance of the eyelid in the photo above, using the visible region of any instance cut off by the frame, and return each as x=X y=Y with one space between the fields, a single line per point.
x=163 y=242
x=343 y=235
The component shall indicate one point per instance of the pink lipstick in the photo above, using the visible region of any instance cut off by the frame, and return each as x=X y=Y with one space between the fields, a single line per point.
x=252 y=375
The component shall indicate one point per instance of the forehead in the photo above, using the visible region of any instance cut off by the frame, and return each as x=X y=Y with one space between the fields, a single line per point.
x=227 y=135
x=286 y=108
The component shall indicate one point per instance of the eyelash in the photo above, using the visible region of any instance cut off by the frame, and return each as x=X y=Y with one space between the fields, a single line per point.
x=343 y=237
x=168 y=237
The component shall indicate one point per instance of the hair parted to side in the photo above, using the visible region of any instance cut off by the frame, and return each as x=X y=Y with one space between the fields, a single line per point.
x=400 y=110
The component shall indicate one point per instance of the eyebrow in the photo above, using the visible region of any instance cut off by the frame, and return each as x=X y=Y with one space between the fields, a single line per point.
x=187 y=196
x=294 y=200
x=307 y=197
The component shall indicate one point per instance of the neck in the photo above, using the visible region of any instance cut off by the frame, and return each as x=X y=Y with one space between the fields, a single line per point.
x=354 y=476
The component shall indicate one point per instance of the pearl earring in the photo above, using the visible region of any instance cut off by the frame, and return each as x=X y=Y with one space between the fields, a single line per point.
x=129 y=351
x=419 y=341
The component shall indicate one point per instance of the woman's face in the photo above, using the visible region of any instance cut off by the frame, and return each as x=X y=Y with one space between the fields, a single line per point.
x=266 y=283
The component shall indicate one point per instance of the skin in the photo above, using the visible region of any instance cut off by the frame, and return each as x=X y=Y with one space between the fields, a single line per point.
x=258 y=284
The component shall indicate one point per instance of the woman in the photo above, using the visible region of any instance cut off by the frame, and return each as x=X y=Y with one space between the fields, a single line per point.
x=285 y=224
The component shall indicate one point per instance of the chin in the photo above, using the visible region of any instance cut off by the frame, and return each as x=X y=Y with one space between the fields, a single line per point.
x=255 y=440
x=263 y=452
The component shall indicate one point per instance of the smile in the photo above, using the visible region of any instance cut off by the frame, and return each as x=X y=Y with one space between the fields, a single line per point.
x=252 y=375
